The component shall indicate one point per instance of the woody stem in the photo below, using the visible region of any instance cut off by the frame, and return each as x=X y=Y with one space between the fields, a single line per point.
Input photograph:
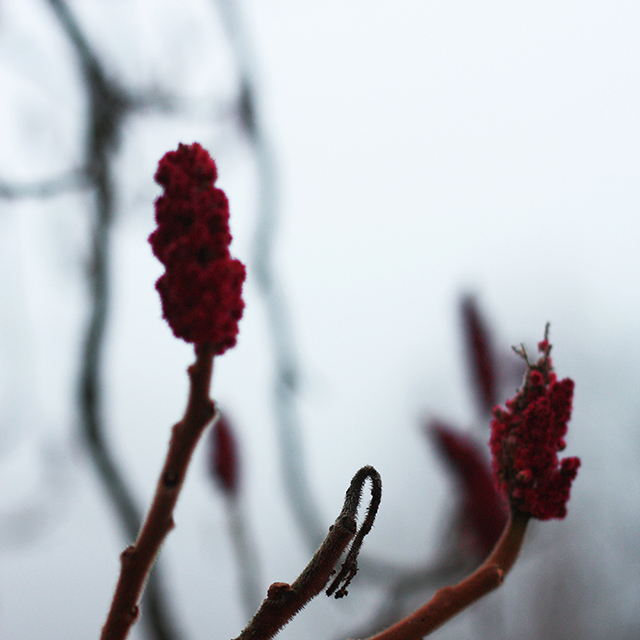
x=137 y=560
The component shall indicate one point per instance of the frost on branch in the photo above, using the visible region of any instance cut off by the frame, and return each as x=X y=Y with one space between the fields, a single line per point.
x=527 y=436
x=201 y=289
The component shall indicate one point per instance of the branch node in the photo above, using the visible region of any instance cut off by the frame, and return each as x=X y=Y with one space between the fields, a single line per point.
x=278 y=591
x=170 y=479
x=128 y=553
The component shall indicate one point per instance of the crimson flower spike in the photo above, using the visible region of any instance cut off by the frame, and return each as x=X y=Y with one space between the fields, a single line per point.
x=201 y=290
x=526 y=437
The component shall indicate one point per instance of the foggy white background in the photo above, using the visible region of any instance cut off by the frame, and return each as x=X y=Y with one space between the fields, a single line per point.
x=423 y=150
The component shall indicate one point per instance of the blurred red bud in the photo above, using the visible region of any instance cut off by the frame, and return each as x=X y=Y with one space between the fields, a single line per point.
x=223 y=460
x=480 y=354
x=484 y=508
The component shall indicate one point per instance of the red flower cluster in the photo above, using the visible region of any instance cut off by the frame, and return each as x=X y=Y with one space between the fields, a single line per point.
x=526 y=438
x=201 y=290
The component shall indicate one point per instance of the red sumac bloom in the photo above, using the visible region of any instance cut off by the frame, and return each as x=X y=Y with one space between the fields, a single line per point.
x=201 y=289
x=526 y=438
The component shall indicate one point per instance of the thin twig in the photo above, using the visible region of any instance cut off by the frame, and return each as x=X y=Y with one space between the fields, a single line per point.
x=137 y=560
x=71 y=181
x=352 y=500
x=284 y=600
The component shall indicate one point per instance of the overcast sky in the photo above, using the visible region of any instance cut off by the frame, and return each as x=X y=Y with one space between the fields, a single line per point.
x=423 y=150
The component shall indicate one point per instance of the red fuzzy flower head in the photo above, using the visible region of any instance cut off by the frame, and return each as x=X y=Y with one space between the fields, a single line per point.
x=526 y=438
x=201 y=290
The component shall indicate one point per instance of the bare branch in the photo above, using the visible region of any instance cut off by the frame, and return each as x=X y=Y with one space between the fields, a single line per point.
x=138 y=559
x=74 y=180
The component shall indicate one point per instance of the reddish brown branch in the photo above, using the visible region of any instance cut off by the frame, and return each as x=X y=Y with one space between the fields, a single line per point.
x=283 y=600
x=449 y=601
x=138 y=559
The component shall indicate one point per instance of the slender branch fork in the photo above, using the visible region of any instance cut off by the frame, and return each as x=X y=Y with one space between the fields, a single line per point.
x=137 y=560
x=285 y=600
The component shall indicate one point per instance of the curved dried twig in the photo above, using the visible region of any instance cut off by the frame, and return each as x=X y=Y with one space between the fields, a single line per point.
x=284 y=600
